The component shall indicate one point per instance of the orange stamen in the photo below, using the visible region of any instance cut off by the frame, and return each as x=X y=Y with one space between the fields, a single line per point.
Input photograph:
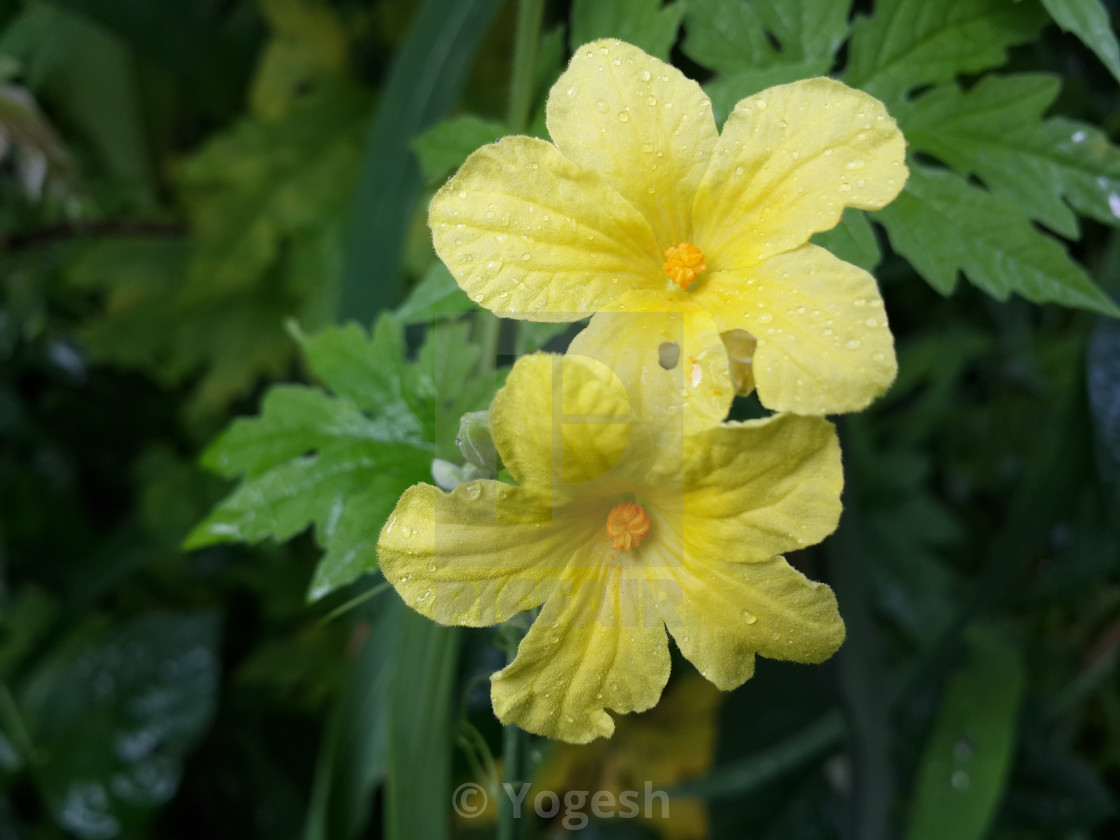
x=627 y=525
x=684 y=263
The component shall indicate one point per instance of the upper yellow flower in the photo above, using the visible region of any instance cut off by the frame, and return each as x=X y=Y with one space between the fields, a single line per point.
x=630 y=516
x=643 y=204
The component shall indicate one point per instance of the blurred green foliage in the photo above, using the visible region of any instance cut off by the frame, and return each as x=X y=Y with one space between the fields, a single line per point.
x=198 y=196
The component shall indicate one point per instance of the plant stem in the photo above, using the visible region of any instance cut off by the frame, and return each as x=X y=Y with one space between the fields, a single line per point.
x=512 y=748
x=530 y=13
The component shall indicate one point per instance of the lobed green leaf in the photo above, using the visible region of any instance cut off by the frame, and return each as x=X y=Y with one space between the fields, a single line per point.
x=907 y=43
x=943 y=225
x=643 y=23
x=996 y=131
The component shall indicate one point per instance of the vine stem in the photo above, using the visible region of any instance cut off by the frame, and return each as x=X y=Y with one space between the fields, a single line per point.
x=512 y=751
x=530 y=15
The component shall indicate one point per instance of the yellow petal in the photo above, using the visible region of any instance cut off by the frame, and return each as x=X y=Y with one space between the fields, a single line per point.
x=527 y=232
x=641 y=124
x=598 y=644
x=824 y=345
x=560 y=420
x=477 y=555
x=731 y=611
x=788 y=162
x=756 y=489
x=673 y=363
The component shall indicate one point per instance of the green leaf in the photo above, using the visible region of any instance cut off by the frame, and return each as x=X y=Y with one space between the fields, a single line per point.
x=966 y=761
x=115 y=721
x=436 y=296
x=996 y=132
x=907 y=43
x=443 y=388
x=258 y=184
x=643 y=23
x=368 y=369
x=338 y=462
x=761 y=44
x=943 y=225
x=732 y=36
x=853 y=240
x=313 y=489
x=1088 y=20
x=350 y=539
x=443 y=147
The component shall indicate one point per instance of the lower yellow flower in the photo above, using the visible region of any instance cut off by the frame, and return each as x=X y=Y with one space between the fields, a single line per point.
x=628 y=519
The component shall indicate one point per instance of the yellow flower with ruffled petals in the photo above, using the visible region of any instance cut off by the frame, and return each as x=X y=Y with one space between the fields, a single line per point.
x=632 y=515
x=642 y=204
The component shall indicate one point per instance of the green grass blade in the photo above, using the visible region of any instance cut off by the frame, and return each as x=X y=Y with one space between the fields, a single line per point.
x=418 y=790
x=423 y=86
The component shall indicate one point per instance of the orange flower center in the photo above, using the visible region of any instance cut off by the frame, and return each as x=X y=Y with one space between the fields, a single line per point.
x=683 y=264
x=627 y=525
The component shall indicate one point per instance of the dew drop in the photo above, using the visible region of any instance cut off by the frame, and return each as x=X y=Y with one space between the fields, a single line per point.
x=749 y=617
x=623 y=116
x=853 y=344
x=473 y=490
x=765 y=318
x=645 y=76
x=602 y=106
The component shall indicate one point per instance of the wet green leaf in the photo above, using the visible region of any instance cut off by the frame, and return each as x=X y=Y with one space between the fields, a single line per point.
x=114 y=722
x=966 y=762
x=996 y=131
x=907 y=43
x=943 y=225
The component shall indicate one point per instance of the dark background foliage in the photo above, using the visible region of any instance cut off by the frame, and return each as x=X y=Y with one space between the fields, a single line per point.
x=184 y=182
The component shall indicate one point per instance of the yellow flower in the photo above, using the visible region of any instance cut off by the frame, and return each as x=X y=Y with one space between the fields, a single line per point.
x=669 y=744
x=632 y=515
x=643 y=204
